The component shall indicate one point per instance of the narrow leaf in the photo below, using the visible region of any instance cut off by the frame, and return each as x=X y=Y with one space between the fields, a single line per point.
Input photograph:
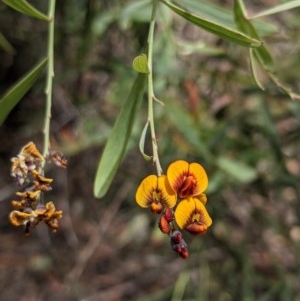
x=215 y=28
x=24 y=7
x=6 y=45
x=140 y=63
x=255 y=70
x=142 y=142
x=284 y=87
x=224 y=16
x=261 y=53
x=277 y=9
x=15 y=94
x=115 y=147
x=240 y=171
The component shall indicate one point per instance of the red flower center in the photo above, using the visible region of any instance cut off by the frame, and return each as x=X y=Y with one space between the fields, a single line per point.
x=187 y=187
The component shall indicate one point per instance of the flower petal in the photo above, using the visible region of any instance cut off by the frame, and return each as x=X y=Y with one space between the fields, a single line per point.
x=183 y=212
x=168 y=196
x=18 y=218
x=190 y=210
x=30 y=149
x=143 y=195
x=202 y=198
x=176 y=172
x=204 y=217
x=200 y=175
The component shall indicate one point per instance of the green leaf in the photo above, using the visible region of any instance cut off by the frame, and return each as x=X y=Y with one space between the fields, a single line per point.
x=140 y=64
x=142 y=142
x=240 y=171
x=15 y=93
x=224 y=16
x=24 y=7
x=277 y=9
x=284 y=87
x=115 y=147
x=215 y=28
x=261 y=53
x=6 y=45
x=255 y=69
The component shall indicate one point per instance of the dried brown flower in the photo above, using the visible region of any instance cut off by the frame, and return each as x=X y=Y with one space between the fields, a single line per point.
x=29 y=211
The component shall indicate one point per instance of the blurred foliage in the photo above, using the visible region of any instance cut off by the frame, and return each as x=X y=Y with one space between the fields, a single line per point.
x=215 y=113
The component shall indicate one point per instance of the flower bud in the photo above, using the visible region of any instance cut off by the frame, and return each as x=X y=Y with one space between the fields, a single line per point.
x=163 y=225
x=169 y=215
x=176 y=236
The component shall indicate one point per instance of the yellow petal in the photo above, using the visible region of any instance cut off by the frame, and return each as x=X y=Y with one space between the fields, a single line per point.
x=190 y=210
x=202 y=198
x=204 y=217
x=143 y=195
x=183 y=212
x=168 y=196
x=175 y=173
x=200 y=175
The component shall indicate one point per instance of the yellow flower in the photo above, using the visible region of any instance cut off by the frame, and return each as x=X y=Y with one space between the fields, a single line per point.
x=156 y=193
x=192 y=215
x=187 y=179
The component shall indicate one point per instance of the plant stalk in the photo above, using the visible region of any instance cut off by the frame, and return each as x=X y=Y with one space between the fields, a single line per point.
x=151 y=96
x=50 y=76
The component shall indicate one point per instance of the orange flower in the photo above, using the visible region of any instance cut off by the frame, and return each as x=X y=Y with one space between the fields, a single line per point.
x=192 y=215
x=156 y=193
x=187 y=179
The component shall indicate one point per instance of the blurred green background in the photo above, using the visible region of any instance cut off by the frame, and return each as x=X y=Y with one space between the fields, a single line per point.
x=247 y=139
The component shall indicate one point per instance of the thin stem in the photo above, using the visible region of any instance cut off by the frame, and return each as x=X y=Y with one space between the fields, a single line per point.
x=151 y=96
x=50 y=76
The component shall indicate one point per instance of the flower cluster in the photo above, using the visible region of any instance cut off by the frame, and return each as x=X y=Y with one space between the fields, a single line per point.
x=177 y=197
x=27 y=169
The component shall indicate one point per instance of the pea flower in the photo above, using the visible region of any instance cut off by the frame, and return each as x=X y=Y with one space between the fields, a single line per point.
x=187 y=179
x=156 y=193
x=192 y=216
x=178 y=197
